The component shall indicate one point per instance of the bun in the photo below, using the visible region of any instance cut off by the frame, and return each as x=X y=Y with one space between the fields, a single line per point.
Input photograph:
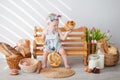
x=39 y=40
x=69 y=25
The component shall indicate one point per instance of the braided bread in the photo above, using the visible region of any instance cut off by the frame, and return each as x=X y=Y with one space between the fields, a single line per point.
x=54 y=59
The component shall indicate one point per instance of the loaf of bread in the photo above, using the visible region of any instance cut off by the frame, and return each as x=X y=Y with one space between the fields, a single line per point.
x=54 y=59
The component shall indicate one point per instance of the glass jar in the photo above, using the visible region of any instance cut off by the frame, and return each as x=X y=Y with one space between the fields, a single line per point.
x=93 y=61
x=100 y=51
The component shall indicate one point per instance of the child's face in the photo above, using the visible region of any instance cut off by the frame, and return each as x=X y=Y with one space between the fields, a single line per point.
x=54 y=24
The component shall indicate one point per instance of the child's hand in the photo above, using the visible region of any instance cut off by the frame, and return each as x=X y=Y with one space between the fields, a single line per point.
x=69 y=31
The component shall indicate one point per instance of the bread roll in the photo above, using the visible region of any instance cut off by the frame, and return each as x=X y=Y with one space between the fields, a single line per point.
x=69 y=25
x=54 y=59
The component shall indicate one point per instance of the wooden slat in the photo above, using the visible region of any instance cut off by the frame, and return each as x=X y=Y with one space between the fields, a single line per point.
x=80 y=29
x=39 y=52
x=36 y=29
x=76 y=35
x=37 y=35
x=66 y=48
x=74 y=40
x=39 y=45
x=75 y=53
x=72 y=45
x=75 y=49
x=68 y=44
x=70 y=35
x=68 y=52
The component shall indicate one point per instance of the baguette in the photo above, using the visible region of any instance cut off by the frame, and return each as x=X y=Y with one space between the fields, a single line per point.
x=9 y=49
x=4 y=51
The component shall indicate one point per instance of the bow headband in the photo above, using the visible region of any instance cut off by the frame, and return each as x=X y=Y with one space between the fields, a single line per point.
x=53 y=17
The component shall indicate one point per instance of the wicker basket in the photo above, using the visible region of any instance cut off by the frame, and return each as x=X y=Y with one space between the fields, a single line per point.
x=13 y=61
x=31 y=68
x=12 y=55
x=111 y=59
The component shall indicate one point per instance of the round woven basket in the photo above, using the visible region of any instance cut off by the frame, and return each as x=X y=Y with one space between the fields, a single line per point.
x=13 y=61
x=59 y=72
x=111 y=59
x=28 y=68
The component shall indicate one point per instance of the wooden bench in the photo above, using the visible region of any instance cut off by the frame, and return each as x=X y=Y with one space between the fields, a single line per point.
x=74 y=45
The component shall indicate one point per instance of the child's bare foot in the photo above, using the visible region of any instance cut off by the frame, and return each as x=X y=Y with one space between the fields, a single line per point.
x=43 y=66
x=67 y=67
